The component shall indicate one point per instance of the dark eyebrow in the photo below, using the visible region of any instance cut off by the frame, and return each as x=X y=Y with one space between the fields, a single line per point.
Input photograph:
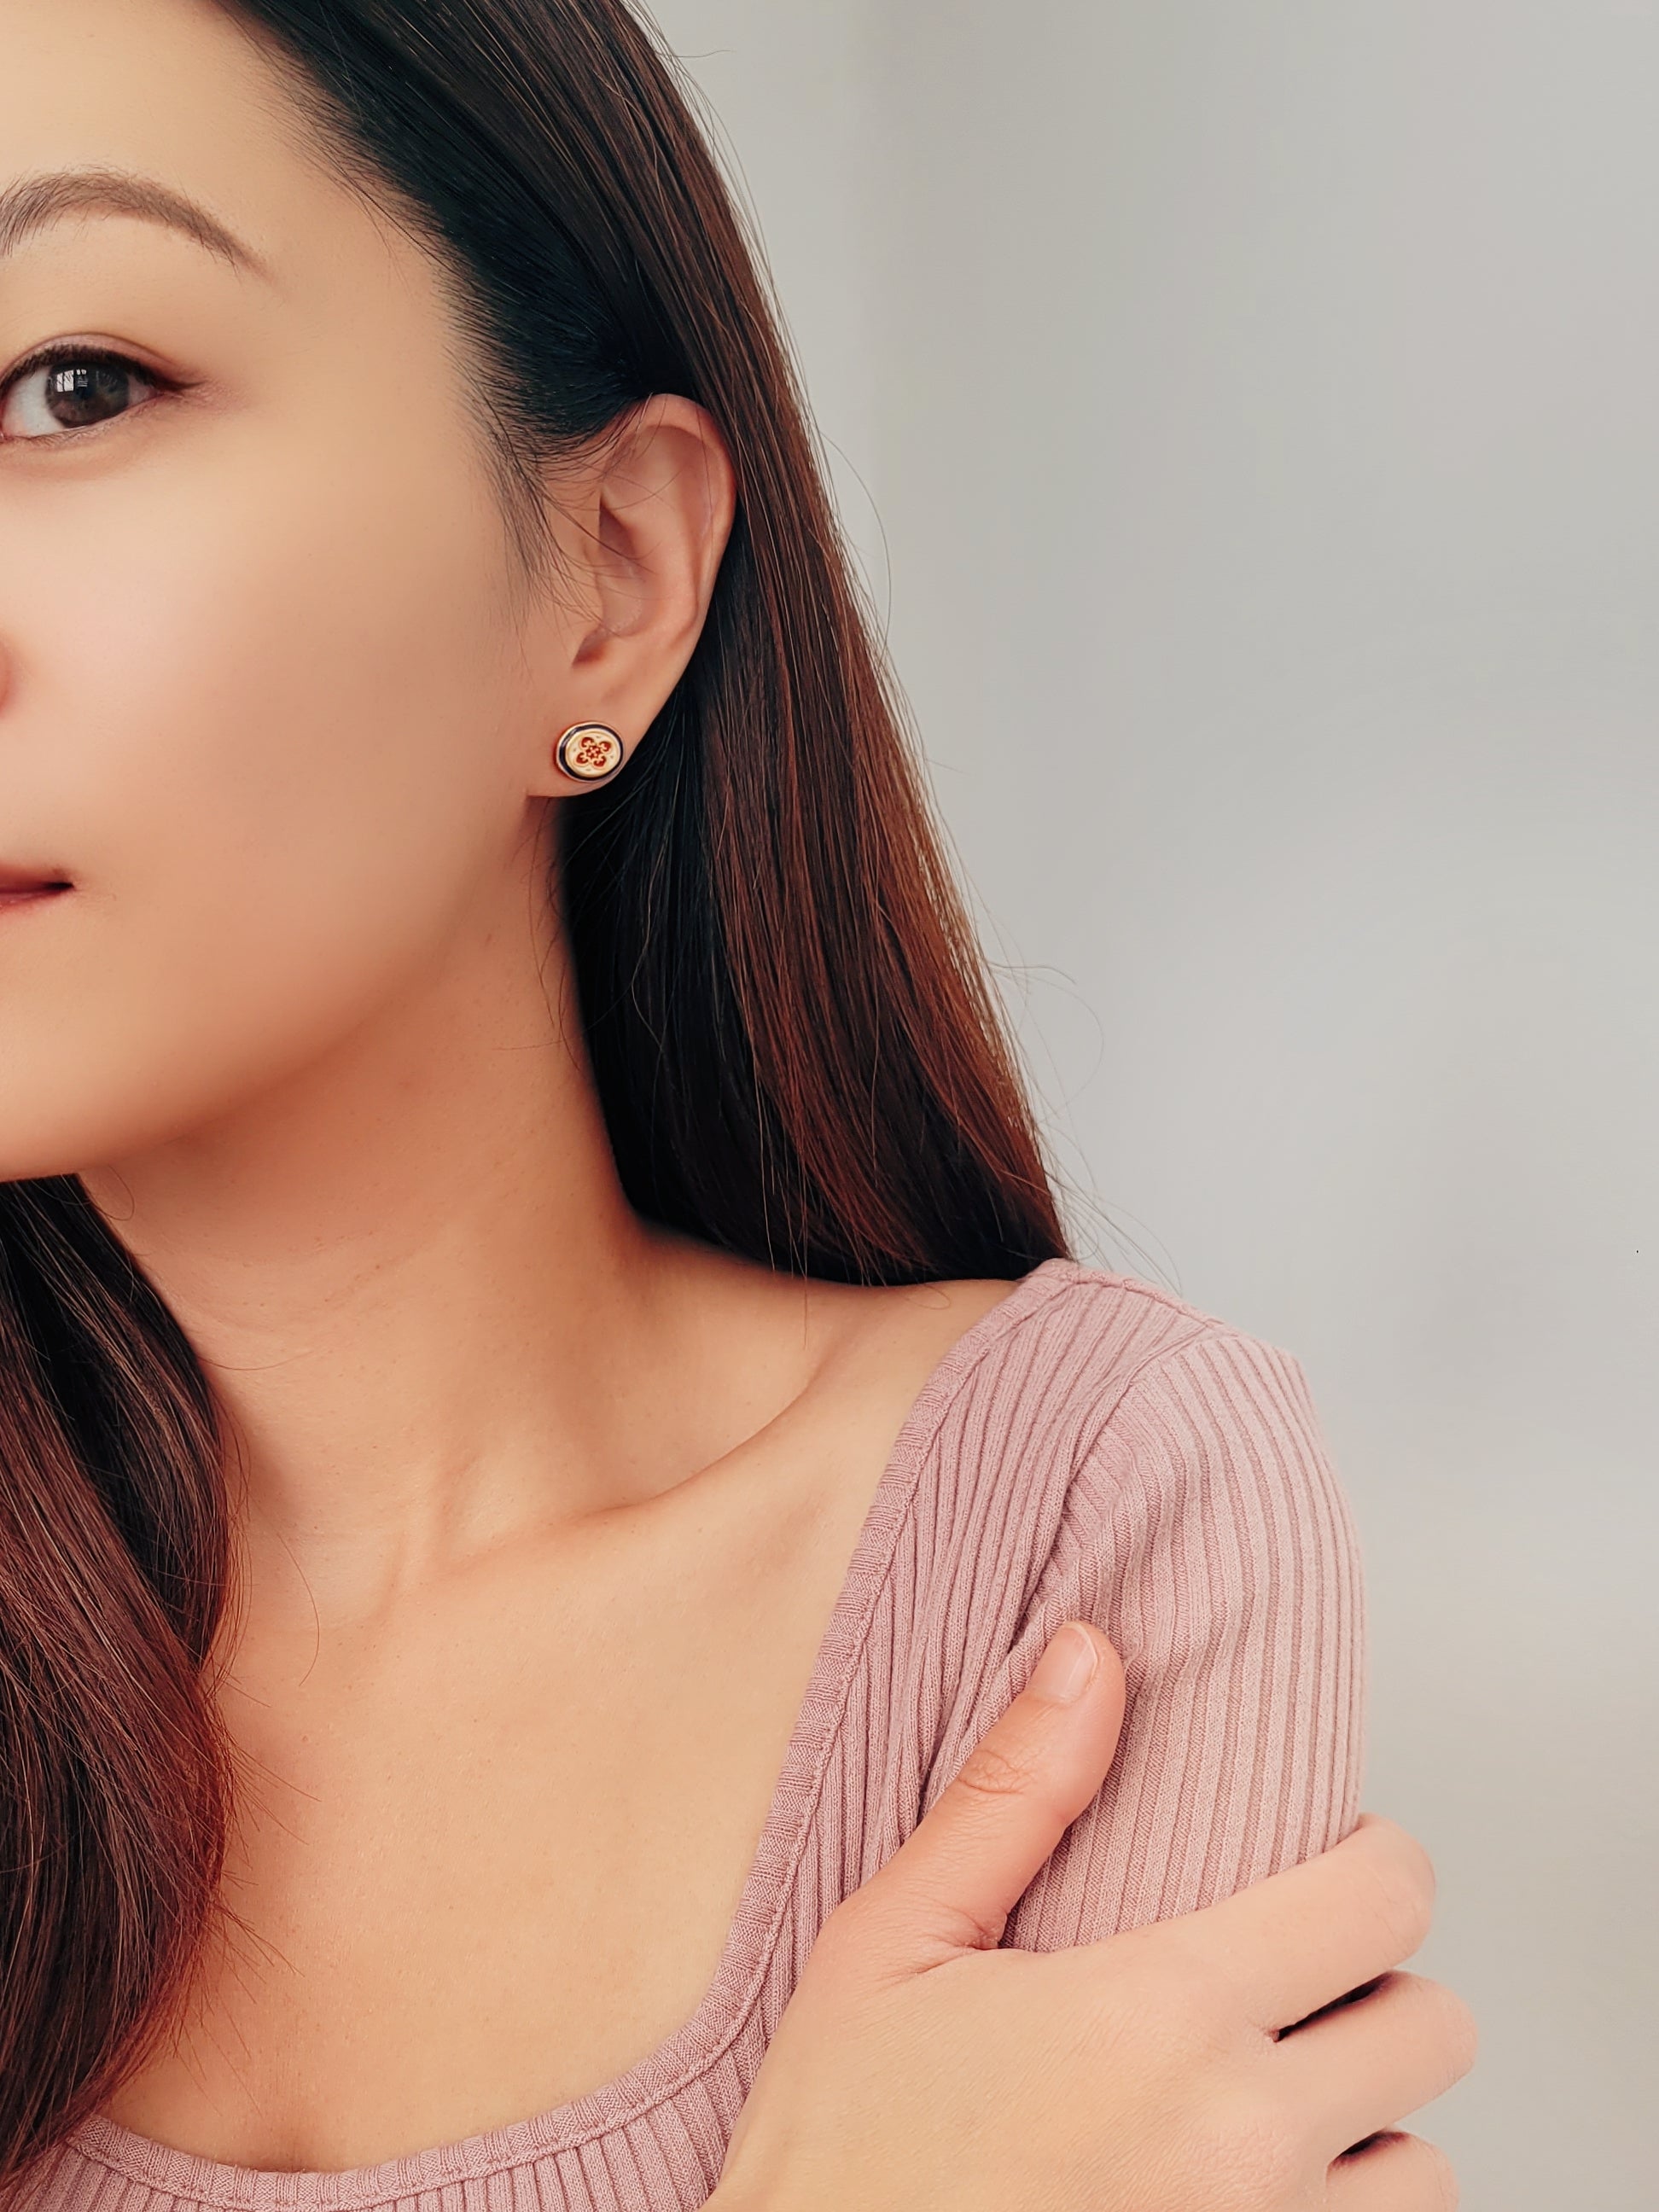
x=32 y=203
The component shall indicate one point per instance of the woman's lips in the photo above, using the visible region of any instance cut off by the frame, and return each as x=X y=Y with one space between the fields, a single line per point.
x=20 y=885
x=29 y=881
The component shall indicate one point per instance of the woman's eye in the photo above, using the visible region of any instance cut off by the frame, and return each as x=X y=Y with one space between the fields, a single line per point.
x=72 y=389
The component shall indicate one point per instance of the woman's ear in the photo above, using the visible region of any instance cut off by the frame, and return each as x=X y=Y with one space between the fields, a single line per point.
x=647 y=542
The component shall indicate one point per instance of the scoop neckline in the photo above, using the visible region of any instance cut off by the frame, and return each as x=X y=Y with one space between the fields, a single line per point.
x=689 y=2050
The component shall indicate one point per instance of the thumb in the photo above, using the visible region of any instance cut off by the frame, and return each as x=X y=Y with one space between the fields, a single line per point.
x=951 y=1886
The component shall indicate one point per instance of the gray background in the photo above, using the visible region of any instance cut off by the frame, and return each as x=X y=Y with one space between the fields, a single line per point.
x=1245 y=413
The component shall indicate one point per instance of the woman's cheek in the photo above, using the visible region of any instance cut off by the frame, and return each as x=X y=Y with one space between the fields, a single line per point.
x=249 y=884
x=264 y=776
x=141 y=1010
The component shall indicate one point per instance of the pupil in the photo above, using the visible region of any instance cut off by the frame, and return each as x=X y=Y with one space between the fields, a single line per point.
x=75 y=392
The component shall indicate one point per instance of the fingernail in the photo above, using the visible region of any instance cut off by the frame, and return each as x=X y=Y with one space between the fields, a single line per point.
x=1067 y=1668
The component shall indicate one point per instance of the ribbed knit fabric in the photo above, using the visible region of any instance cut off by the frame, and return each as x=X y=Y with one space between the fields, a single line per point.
x=1095 y=1448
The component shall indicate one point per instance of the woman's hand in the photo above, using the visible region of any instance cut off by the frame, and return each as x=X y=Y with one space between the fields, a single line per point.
x=917 y=2067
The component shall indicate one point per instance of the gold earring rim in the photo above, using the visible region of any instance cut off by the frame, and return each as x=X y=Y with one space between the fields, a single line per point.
x=561 y=752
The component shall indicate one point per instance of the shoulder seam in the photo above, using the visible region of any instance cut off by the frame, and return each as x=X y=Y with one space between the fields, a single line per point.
x=1213 y=1331
x=1212 y=1324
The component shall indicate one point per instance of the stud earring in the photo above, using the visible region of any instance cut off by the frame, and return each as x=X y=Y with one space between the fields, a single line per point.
x=588 y=752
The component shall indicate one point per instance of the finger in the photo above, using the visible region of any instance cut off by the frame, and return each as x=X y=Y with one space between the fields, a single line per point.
x=1396 y=2173
x=1369 y=2064
x=951 y=1886
x=1300 y=1939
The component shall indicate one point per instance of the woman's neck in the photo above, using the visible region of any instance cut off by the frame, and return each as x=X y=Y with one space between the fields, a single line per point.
x=429 y=1313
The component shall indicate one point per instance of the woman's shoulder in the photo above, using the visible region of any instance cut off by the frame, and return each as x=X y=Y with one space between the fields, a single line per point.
x=1089 y=1404
x=1120 y=1455
x=1070 y=1341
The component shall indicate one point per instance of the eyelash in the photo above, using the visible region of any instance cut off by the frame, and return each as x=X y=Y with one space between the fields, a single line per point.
x=47 y=356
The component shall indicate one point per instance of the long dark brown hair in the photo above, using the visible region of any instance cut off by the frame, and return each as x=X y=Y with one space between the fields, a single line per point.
x=797 y=1050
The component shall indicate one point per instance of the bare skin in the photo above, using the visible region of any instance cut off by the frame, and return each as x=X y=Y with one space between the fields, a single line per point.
x=527 y=1484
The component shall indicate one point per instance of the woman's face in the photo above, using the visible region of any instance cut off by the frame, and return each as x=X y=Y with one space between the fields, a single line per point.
x=263 y=699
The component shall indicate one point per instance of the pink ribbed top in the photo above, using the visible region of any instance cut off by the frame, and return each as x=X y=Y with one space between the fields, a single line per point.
x=1093 y=1446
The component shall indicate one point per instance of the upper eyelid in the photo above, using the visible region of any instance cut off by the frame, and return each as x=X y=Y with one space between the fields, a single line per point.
x=56 y=350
